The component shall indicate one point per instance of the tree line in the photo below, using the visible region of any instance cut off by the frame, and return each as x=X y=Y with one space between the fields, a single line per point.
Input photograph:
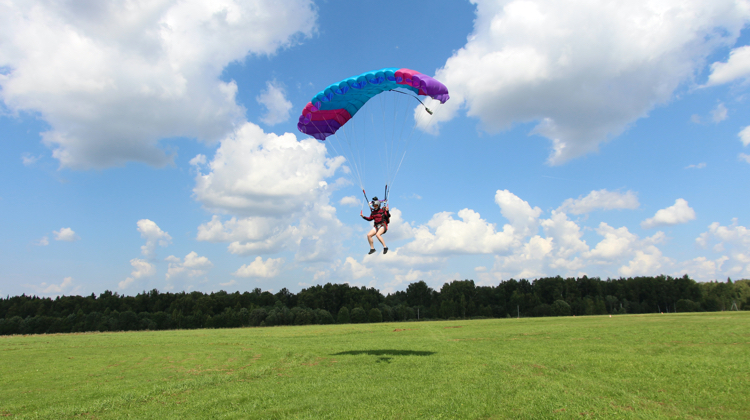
x=342 y=303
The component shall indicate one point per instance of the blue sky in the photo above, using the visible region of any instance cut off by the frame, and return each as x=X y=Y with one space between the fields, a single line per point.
x=154 y=144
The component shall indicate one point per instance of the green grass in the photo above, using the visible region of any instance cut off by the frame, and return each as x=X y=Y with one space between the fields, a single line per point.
x=677 y=366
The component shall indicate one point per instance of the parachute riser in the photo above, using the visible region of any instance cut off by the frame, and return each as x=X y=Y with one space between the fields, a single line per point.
x=429 y=111
x=384 y=200
x=367 y=200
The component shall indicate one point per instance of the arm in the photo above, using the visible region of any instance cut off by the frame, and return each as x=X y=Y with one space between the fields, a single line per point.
x=365 y=217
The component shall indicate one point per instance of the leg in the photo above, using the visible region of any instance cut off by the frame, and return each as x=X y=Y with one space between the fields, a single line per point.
x=369 y=237
x=380 y=238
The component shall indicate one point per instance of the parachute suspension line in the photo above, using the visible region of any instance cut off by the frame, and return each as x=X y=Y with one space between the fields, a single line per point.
x=407 y=139
x=385 y=140
x=348 y=156
x=353 y=144
x=430 y=121
x=390 y=145
x=371 y=113
x=393 y=142
x=394 y=136
x=352 y=157
x=355 y=167
x=350 y=134
x=388 y=150
x=358 y=130
x=402 y=104
x=394 y=107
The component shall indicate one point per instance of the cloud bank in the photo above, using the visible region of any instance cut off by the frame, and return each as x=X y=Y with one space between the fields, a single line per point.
x=113 y=78
x=274 y=190
x=583 y=71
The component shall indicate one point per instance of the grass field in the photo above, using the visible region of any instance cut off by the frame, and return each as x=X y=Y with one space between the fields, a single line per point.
x=632 y=366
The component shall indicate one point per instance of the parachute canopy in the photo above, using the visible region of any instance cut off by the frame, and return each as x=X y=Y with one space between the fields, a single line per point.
x=331 y=108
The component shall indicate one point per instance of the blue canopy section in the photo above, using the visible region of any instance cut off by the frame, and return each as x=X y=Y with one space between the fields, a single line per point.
x=352 y=93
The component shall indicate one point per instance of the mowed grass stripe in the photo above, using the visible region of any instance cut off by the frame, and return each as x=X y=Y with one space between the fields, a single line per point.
x=631 y=366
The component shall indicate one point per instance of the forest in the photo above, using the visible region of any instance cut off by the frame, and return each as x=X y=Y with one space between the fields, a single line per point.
x=343 y=303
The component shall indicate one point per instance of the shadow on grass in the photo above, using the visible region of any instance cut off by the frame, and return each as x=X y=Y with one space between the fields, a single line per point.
x=384 y=353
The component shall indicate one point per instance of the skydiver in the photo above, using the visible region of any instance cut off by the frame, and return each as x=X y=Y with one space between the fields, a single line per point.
x=381 y=217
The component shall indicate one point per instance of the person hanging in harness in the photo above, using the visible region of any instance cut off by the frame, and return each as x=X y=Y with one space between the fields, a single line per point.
x=381 y=217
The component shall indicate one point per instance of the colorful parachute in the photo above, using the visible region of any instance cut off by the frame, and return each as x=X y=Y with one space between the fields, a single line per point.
x=331 y=108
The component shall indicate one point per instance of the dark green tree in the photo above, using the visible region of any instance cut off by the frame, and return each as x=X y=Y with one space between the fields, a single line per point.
x=358 y=315
x=375 y=315
x=343 y=317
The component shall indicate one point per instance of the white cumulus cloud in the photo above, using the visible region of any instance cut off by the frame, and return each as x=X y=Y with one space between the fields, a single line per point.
x=616 y=243
x=703 y=268
x=566 y=234
x=44 y=241
x=66 y=286
x=398 y=228
x=601 y=200
x=444 y=235
x=734 y=234
x=562 y=251
x=264 y=174
x=355 y=269
x=198 y=160
x=646 y=262
x=350 y=200
x=192 y=266
x=273 y=98
x=141 y=268
x=583 y=70
x=696 y=166
x=66 y=234
x=400 y=259
x=29 y=159
x=153 y=235
x=275 y=190
x=259 y=268
x=522 y=217
x=719 y=113
x=736 y=67
x=678 y=213
x=734 y=242
x=744 y=136
x=112 y=78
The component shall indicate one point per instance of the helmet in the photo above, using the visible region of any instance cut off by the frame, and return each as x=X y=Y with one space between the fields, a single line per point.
x=375 y=201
